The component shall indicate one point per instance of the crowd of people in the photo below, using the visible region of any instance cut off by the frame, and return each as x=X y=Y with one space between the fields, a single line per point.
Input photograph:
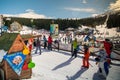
x=36 y=43
x=103 y=58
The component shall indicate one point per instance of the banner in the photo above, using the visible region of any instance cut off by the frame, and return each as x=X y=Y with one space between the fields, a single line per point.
x=16 y=61
x=54 y=29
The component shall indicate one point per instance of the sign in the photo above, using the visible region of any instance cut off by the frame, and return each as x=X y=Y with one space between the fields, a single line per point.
x=16 y=61
x=54 y=29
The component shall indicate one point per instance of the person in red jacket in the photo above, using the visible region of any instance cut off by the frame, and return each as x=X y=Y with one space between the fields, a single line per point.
x=50 y=43
x=107 y=47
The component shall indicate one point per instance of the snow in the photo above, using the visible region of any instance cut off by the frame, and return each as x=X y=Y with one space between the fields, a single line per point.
x=54 y=65
x=112 y=31
x=114 y=73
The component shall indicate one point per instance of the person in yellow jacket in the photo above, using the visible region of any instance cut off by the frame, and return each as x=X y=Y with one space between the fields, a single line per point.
x=75 y=46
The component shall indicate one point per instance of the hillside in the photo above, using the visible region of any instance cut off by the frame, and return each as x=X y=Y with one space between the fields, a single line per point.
x=113 y=21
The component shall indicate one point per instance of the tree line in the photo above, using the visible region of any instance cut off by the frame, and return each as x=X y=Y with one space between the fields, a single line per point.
x=113 y=21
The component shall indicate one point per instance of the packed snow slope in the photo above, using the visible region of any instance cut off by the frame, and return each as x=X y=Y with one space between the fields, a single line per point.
x=54 y=65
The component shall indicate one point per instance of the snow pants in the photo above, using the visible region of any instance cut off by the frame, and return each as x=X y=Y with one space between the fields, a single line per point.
x=86 y=61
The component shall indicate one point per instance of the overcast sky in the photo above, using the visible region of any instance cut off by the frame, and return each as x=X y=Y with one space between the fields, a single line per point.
x=56 y=8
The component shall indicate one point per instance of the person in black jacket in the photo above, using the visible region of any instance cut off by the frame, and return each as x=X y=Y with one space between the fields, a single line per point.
x=45 y=42
x=38 y=46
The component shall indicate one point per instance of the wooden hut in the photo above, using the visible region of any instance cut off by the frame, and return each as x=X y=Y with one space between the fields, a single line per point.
x=28 y=36
x=13 y=43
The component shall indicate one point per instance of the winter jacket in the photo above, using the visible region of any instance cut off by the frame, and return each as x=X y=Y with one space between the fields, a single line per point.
x=49 y=40
x=44 y=38
x=75 y=44
x=37 y=42
x=107 y=47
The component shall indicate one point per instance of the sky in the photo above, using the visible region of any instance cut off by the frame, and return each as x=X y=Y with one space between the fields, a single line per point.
x=56 y=8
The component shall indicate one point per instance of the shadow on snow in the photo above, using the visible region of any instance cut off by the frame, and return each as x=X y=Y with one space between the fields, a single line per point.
x=77 y=74
x=63 y=64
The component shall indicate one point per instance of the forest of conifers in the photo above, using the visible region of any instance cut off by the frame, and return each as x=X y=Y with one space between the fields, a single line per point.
x=113 y=21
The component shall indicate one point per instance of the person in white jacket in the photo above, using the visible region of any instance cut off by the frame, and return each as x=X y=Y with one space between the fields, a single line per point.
x=102 y=62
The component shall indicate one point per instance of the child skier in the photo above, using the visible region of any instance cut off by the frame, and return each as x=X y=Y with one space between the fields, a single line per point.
x=103 y=65
x=75 y=46
x=86 y=56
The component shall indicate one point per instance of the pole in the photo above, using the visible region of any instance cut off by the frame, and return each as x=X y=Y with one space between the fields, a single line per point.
x=105 y=23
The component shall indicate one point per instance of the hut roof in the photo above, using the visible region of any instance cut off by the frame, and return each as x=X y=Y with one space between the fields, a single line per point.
x=26 y=37
x=6 y=40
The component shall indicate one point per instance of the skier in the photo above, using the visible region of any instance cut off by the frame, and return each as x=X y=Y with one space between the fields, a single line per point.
x=103 y=65
x=107 y=46
x=86 y=56
x=75 y=46
x=50 y=43
x=45 y=42
x=38 y=46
